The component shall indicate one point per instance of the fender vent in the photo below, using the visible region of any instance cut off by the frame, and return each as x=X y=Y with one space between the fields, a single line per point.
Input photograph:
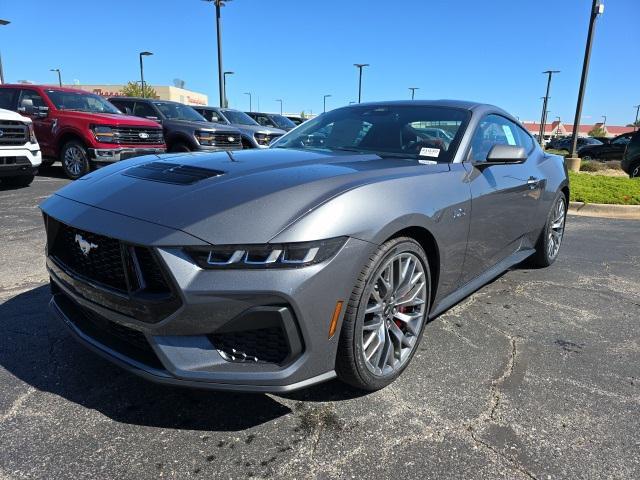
x=171 y=173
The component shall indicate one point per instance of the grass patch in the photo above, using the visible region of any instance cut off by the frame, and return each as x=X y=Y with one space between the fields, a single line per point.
x=601 y=189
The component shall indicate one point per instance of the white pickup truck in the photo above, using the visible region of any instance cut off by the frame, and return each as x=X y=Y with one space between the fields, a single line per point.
x=20 y=154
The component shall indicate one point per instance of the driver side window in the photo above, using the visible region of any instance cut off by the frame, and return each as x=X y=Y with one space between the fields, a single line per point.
x=497 y=130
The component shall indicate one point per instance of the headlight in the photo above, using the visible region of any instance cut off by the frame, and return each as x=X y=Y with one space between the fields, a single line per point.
x=32 y=133
x=104 y=134
x=205 y=137
x=284 y=255
x=262 y=138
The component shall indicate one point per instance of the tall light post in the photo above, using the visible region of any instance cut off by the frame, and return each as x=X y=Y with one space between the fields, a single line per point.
x=604 y=120
x=59 y=75
x=597 y=8
x=549 y=74
x=2 y=23
x=143 y=54
x=250 y=107
x=280 y=100
x=413 y=91
x=360 y=66
x=219 y=4
x=324 y=103
x=635 y=124
x=224 y=86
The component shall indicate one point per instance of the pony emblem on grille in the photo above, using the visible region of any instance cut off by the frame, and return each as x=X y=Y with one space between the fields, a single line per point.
x=85 y=245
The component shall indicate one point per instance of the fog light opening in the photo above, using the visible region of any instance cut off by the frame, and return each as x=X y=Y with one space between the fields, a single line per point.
x=334 y=319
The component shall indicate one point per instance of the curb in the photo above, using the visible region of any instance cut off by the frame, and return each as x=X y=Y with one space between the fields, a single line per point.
x=628 y=212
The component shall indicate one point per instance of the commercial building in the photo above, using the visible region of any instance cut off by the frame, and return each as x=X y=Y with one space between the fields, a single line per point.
x=164 y=92
x=559 y=129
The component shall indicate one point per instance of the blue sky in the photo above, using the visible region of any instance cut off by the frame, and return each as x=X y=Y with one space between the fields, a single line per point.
x=492 y=50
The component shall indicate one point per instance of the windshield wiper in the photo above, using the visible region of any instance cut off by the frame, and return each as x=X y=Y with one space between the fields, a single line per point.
x=412 y=156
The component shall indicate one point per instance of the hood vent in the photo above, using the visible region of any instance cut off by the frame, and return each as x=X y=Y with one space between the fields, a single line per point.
x=171 y=173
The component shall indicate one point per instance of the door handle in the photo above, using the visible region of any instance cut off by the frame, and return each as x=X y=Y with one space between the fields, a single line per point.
x=533 y=183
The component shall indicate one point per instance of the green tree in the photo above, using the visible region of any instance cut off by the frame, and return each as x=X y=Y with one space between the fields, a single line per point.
x=133 y=89
x=597 y=132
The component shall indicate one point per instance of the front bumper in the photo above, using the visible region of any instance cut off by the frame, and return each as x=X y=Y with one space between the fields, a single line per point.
x=19 y=161
x=111 y=155
x=182 y=348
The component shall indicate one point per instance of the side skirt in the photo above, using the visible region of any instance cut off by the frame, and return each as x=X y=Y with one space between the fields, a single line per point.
x=481 y=280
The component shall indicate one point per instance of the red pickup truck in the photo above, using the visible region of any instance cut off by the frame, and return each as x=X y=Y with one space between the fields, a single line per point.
x=80 y=129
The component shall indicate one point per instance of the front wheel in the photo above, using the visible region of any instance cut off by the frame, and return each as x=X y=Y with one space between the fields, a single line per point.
x=548 y=245
x=385 y=316
x=75 y=159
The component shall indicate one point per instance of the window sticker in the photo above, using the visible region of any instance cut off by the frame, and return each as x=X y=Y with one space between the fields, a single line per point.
x=429 y=152
x=509 y=134
x=427 y=162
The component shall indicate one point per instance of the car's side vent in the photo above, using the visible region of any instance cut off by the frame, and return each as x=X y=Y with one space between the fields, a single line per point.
x=171 y=173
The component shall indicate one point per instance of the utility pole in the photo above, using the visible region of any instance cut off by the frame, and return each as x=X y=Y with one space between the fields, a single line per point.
x=413 y=91
x=219 y=4
x=360 y=66
x=635 y=124
x=249 y=93
x=324 y=103
x=544 y=104
x=59 y=75
x=143 y=54
x=597 y=8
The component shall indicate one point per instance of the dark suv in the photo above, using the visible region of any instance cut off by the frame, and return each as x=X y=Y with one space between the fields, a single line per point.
x=631 y=158
x=254 y=135
x=272 y=120
x=185 y=130
x=613 y=150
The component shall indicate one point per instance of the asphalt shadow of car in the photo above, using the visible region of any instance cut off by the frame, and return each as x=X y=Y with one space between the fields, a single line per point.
x=52 y=171
x=38 y=350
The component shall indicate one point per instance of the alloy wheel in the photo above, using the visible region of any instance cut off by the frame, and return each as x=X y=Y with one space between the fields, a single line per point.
x=394 y=314
x=74 y=159
x=635 y=172
x=556 y=228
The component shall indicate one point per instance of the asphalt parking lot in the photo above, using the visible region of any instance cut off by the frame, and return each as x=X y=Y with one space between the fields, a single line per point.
x=537 y=375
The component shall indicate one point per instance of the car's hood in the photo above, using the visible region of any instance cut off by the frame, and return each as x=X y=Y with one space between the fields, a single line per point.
x=258 y=195
x=9 y=115
x=114 y=119
x=251 y=129
x=200 y=125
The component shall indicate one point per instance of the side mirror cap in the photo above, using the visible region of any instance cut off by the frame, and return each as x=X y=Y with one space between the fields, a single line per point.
x=504 y=154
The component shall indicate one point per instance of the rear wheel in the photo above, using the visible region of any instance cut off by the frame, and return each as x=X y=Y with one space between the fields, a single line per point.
x=19 y=181
x=75 y=159
x=551 y=237
x=385 y=315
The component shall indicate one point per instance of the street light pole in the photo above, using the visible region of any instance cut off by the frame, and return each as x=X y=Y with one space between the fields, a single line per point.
x=360 y=66
x=324 y=103
x=413 y=91
x=59 y=75
x=605 y=120
x=544 y=105
x=597 y=8
x=2 y=23
x=635 y=124
x=224 y=84
x=280 y=100
x=249 y=93
x=219 y=4
x=143 y=54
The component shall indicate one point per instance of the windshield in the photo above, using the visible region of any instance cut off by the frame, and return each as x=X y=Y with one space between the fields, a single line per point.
x=426 y=132
x=239 y=118
x=178 y=111
x=81 y=102
x=282 y=122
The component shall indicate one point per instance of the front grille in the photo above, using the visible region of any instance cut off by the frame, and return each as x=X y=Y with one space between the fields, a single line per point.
x=119 y=338
x=139 y=135
x=261 y=345
x=13 y=133
x=223 y=140
x=14 y=161
x=107 y=261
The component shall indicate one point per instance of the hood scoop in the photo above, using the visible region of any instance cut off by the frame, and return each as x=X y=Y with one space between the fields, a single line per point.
x=171 y=173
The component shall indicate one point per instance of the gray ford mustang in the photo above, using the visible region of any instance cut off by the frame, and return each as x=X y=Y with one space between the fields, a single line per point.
x=322 y=256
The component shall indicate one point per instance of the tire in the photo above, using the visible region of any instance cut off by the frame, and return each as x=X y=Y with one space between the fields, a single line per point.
x=359 y=326
x=18 y=181
x=179 y=147
x=47 y=162
x=75 y=159
x=587 y=158
x=546 y=253
x=634 y=171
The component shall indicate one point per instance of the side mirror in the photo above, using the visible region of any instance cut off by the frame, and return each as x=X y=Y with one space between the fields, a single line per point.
x=26 y=106
x=504 y=154
x=155 y=119
x=41 y=112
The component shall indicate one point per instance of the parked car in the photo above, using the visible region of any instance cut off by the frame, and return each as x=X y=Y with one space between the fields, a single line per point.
x=80 y=129
x=631 y=158
x=283 y=267
x=296 y=119
x=20 y=154
x=272 y=120
x=565 y=143
x=185 y=130
x=254 y=135
x=613 y=150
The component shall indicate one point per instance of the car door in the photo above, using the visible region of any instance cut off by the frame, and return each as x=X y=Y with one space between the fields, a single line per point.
x=504 y=197
x=617 y=146
x=43 y=122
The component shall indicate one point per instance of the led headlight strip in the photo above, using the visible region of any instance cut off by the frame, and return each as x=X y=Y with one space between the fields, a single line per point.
x=283 y=255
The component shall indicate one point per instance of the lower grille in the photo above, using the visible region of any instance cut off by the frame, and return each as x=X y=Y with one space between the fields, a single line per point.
x=224 y=140
x=262 y=345
x=14 y=161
